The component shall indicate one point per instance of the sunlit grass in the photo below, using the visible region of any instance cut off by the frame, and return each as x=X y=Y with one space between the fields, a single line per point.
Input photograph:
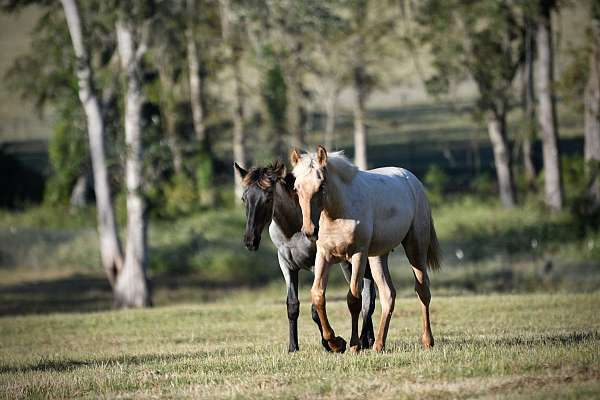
x=508 y=345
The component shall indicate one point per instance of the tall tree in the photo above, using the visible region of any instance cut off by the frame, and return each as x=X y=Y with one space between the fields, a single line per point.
x=110 y=247
x=232 y=37
x=371 y=27
x=482 y=41
x=592 y=107
x=132 y=289
x=547 y=118
x=528 y=102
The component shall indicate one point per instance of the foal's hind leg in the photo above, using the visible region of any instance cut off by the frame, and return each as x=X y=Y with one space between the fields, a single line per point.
x=367 y=336
x=387 y=297
x=354 y=297
x=416 y=251
x=293 y=305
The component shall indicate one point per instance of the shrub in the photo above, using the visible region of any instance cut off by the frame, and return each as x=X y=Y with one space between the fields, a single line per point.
x=435 y=181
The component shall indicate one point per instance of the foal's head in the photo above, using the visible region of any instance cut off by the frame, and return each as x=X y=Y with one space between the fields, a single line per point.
x=310 y=171
x=259 y=186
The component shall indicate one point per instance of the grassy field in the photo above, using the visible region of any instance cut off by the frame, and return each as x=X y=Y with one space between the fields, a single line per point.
x=510 y=346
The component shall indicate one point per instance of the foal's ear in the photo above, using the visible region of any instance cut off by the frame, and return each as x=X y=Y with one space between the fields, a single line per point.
x=241 y=171
x=321 y=156
x=279 y=170
x=294 y=157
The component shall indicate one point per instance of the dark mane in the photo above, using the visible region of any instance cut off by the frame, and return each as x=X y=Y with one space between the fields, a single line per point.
x=265 y=177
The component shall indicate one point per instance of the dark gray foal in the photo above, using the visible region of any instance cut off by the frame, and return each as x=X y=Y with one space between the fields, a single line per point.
x=269 y=197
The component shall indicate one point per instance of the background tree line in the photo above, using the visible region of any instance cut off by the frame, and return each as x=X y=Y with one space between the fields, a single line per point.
x=151 y=97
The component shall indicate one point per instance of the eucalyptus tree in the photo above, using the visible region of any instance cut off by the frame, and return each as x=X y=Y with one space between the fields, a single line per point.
x=110 y=247
x=479 y=41
x=369 y=40
x=203 y=37
x=167 y=52
x=295 y=29
x=592 y=106
x=547 y=117
x=132 y=28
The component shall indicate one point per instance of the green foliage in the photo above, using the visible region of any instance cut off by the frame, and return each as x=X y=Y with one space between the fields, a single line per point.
x=180 y=196
x=274 y=94
x=435 y=182
x=484 y=186
x=480 y=40
x=573 y=78
x=68 y=153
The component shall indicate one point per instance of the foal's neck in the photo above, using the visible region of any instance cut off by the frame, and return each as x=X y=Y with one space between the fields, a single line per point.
x=286 y=210
x=334 y=201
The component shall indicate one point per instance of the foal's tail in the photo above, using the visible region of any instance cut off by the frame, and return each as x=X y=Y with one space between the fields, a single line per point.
x=433 y=251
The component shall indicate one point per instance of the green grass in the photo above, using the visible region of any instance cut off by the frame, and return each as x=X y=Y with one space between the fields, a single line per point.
x=510 y=346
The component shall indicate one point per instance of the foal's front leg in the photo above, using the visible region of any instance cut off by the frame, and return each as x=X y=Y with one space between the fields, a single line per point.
x=354 y=298
x=317 y=293
x=367 y=334
x=293 y=305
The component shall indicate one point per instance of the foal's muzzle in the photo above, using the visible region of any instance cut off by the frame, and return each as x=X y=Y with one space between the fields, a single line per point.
x=252 y=243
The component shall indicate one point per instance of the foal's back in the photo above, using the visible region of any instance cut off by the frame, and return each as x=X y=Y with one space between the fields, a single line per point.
x=396 y=197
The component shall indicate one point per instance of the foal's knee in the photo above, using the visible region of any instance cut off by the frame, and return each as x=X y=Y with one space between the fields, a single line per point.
x=368 y=298
x=388 y=300
x=314 y=314
x=354 y=303
x=293 y=309
x=318 y=297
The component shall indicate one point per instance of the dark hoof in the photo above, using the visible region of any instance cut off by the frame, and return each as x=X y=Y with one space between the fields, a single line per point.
x=366 y=342
x=293 y=349
x=337 y=344
x=326 y=345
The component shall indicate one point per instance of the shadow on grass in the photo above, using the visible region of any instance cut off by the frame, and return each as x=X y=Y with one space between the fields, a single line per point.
x=568 y=339
x=70 y=365
x=80 y=293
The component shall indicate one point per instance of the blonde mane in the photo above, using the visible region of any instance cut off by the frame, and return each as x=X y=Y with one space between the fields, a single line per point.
x=337 y=163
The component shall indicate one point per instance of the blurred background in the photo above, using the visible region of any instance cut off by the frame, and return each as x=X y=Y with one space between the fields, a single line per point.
x=120 y=121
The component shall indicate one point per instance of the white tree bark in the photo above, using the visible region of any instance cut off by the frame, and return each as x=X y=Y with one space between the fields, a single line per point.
x=547 y=109
x=592 y=110
x=330 y=115
x=502 y=161
x=110 y=247
x=529 y=103
x=239 y=138
x=131 y=289
x=196 y=84
x=360 y=133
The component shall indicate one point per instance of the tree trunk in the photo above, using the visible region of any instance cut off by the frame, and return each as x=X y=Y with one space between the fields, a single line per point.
x=110 y=247
x=296 y=114
x=547 y=108
x=330 y=112
x=360 y=134
x=79 y=194
x=529 y=104
x=239 y=138
x=168 y=115
x=502 y=160
x=132 y=288
x=196 y=81
x=592 y=111
x=173 y=140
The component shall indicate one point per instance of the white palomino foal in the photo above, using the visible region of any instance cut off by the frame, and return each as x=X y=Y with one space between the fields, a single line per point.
x=365 y=215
